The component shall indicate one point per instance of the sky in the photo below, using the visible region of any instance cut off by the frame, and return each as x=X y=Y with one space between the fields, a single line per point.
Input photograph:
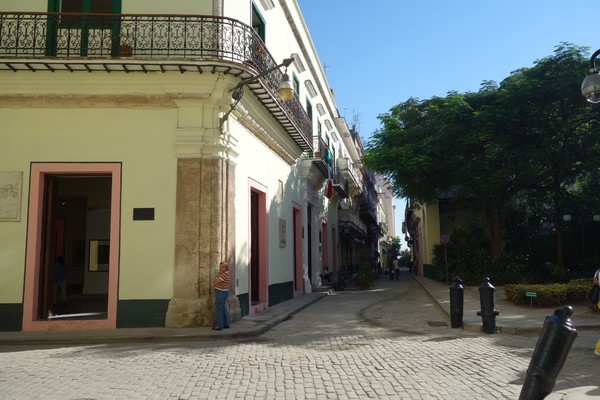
x=380 y=53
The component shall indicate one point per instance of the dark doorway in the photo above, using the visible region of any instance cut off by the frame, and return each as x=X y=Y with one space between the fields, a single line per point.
x=76 y=227
x=254 y=250
x=309 y=230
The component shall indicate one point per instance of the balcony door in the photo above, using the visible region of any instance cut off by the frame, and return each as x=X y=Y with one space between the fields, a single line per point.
x=83 y=36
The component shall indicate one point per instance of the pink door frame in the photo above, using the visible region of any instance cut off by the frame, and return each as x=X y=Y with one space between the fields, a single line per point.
x=33 y=249
x=263 y=276
x=297 y=238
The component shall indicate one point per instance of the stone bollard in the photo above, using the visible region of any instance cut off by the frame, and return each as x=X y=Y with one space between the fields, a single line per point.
x=488 y=303
x=457 y=297
x=551 y=350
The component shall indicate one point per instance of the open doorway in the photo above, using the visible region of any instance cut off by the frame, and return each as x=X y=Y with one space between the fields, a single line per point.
x=71 y=263
x=76 y=228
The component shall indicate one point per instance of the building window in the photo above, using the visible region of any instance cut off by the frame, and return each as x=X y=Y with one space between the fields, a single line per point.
x=309 y=110
x=86 y=6
x=258 y=22
x=296 y=86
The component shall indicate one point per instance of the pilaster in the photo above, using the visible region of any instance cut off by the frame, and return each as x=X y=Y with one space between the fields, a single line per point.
x=205 y=217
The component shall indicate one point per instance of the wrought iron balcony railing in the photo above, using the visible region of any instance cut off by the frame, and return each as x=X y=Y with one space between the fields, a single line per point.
x=368 y=213
x=322 y=158
x=340 y=184
x=186 y=38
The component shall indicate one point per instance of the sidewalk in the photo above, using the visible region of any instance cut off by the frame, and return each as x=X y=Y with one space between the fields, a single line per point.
x=251 y=325
x=512 y=319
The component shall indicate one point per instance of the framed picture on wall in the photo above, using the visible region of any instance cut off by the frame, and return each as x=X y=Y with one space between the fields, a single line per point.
x=10 y=195
x=99 y=255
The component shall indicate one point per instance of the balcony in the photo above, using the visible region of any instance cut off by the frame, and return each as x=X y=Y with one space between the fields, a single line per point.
x=340 y=184
x=367 y=213
x=322 y=158
x=350 y=222
x=353 y=175
x=148 y=43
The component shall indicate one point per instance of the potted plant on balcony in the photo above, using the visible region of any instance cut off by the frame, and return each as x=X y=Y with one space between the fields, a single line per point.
x=125 y=49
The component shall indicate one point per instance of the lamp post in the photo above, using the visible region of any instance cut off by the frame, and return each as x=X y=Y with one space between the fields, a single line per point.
x=285 y=88
x=590 y=87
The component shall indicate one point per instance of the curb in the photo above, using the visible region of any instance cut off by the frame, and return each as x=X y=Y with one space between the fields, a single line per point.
x=253 y=325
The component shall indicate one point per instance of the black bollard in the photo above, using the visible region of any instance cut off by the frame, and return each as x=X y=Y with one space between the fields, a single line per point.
x=457 y=297
x=488 y=312
x=551 y=350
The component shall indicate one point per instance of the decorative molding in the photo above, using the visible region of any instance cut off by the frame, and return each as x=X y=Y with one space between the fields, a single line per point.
x=244 y=118
x=267 y=4
x=85 y=101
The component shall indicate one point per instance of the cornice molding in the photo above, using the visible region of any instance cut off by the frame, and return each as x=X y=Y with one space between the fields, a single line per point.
x=244 y=118
x=86 y=101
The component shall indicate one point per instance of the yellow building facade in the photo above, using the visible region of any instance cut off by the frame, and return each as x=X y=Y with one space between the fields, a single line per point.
x=124 y=151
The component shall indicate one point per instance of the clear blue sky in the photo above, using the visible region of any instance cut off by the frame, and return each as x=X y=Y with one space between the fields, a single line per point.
x=382 y=52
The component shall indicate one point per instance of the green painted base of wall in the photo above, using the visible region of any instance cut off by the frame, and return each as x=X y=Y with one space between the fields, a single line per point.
x=11 y=317
x=141 y=313
x=280 y=292
x=244 y=305
x=277 y=293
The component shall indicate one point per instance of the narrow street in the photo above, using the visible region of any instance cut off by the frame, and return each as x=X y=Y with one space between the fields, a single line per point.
x=390 y=342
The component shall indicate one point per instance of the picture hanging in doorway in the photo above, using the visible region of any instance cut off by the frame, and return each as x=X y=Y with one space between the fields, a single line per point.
x=99 y=252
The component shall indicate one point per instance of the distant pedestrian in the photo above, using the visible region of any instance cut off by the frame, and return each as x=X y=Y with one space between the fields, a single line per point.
x=594 y=294
x=396 y=269
x=60 y=283
x=597 y=305
x=221 y=295
x=390 y=270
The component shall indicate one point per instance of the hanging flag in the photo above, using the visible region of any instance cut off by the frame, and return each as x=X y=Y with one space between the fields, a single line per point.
x=329 y=182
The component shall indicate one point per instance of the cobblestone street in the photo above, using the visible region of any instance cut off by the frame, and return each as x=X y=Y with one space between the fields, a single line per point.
x=390 y=342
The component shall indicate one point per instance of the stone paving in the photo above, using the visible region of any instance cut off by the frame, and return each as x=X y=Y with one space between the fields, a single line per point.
x=390 y=342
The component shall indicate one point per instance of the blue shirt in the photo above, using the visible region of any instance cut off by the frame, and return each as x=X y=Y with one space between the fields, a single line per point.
x=60 y=272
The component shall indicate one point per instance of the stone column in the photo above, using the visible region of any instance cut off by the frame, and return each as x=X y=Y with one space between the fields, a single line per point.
x=204 y=227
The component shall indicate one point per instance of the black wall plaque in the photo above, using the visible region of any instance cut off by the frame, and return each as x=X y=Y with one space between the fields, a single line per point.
x=143 y=214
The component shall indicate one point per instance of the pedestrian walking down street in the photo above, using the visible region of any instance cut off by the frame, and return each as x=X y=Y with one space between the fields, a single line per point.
x=221 y=295
x=397 y=269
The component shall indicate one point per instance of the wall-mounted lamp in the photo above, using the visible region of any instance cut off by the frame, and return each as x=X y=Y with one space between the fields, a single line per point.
x=285 y=88
x=590 y=87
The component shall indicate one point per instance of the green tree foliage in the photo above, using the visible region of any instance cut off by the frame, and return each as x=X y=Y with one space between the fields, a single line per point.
x=529 y=138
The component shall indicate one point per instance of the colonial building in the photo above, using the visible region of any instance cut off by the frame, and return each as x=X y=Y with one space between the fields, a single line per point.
x=145 y=142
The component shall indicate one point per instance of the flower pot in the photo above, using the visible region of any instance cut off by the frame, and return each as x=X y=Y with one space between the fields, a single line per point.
x=125 y=50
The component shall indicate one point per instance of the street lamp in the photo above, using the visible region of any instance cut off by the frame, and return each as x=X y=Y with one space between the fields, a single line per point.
x=285 y=88
x=590 y=87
